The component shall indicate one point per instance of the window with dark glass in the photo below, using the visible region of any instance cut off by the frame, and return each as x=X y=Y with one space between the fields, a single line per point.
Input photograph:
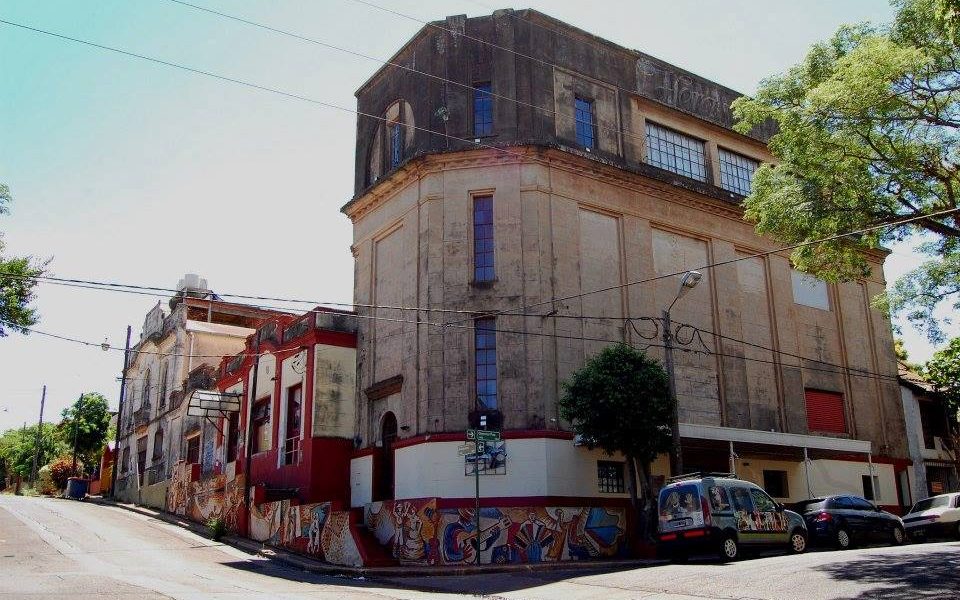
x=396 y=144
x=485 y=357
x=141 y=457
x=158 y=444
x=162 y=399
x=870 y=485
x=676 y=152
x=291 y=448
x=193 y=449
x=233 y=436
x=583 y=116
x=483 y=269
x=736 y=172
x=482 y=110
x=775 y=483
x=610 y=477
x=261 y=425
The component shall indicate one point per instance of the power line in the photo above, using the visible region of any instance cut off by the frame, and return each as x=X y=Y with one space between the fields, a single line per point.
x=832 y=238
x=257 y=86
x=601 y=123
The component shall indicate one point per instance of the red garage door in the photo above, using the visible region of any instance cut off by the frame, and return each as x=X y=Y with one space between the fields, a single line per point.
x=825 y=411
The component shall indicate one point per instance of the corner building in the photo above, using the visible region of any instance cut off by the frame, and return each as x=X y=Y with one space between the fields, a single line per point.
x=610 y=167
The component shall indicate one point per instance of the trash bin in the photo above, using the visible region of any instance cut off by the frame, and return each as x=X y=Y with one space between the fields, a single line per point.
x=77 y=488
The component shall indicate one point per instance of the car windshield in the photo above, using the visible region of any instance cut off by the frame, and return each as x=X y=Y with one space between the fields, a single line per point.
x=935 y=502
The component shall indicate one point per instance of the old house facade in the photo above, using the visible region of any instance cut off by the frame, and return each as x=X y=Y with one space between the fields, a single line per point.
x=488 y=210
x=929 y=438
x=178 y=351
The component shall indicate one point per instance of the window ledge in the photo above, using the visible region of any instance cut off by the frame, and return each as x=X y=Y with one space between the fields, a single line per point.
x=483 y=285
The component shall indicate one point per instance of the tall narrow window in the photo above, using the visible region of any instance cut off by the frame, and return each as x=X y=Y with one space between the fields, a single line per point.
x=583 y=115
x=162 y=399
x=676 y=152
x=485 y=358
x=291 y=449
x=482 y=110
x=736 y=172
x=233 y=436
x=396 y=144
x=193 y=449
x=145 y=398
x=483 y=238
x=261 y=425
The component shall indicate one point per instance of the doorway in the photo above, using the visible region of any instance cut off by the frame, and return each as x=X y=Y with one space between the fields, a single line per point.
x=384 y=488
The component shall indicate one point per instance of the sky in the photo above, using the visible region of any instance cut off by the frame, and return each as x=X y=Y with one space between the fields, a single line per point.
x=128 y=171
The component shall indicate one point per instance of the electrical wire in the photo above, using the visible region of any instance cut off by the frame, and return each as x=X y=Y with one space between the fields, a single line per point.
x=601 y=123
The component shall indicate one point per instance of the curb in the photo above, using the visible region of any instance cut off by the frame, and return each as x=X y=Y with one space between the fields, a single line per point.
x=316 y=566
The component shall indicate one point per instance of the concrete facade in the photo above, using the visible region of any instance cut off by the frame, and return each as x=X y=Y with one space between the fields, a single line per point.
x=570 y=219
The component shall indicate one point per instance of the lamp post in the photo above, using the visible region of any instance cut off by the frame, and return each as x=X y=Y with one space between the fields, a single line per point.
x=688 y=282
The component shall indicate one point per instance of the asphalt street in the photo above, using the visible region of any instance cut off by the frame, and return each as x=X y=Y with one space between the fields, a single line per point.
x=66 y=549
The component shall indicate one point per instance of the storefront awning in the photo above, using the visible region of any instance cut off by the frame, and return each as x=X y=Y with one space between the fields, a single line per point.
x=773 y=438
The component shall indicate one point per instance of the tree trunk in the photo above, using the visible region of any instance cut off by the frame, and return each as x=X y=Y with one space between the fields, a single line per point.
x=648 y=513
x=632 y=484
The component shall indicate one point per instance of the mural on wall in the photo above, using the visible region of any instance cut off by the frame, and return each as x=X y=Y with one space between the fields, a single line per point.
x=417 y=532
x=210 y=497
x=313 y=529
x=334 y=383
x=492 y=460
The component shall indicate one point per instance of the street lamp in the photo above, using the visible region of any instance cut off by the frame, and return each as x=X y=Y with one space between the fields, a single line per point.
x=689 y=281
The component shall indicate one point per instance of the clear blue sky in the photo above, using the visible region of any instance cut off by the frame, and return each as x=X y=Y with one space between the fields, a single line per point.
x=128 y=171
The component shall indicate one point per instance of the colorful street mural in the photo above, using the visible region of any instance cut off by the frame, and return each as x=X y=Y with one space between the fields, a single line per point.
x=312 y=529
x=418 y=533
x=210 y=497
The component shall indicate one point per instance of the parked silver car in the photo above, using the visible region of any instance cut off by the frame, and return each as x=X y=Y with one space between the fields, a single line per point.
x=937 y=516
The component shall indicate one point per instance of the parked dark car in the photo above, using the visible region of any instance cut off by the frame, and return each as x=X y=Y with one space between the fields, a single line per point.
x=845 y=520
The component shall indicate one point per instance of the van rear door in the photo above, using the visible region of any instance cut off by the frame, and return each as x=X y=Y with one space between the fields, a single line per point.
x=680 y=508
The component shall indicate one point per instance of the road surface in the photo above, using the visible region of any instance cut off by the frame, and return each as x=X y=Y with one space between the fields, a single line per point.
x=65 y=549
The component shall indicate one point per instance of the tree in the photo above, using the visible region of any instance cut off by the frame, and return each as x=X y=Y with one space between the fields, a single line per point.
x=619 y=401
x=90 y=416
x=943 y=371
x=17 y=448
x=868 y=133
x=16 y=282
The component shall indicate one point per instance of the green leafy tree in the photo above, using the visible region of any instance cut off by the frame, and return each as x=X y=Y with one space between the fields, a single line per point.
x=17 y=448
x=16 y=283
x=943 y=371
x=619 y=401
x=89 y=416
x=868 y=133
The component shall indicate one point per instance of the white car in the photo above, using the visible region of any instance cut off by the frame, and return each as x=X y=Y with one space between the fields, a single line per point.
x=937 y=516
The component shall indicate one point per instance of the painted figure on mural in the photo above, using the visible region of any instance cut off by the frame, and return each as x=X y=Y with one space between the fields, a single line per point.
x=533 y=538
x=317 y=518
x=409 y=544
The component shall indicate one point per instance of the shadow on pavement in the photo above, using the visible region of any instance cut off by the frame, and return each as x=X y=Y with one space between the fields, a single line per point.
x=903 y=576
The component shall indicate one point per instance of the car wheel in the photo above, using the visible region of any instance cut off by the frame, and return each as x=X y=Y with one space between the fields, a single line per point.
x=729 y=548
x=798 y=542
x=843 y=539
x=898 y=536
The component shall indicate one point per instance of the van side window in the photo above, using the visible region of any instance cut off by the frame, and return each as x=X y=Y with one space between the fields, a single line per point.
x=719 y=501
x=762 y=501
x=741 y=499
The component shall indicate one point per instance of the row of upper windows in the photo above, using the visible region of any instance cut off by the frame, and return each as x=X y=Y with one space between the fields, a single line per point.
x=666 y=148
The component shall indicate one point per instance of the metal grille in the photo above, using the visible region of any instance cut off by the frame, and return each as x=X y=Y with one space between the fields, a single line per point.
x=825 y=411
x=676 y=152
x=736 y=172
x=610 y=477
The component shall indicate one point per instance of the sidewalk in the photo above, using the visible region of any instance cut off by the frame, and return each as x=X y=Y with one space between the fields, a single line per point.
x=315 y=566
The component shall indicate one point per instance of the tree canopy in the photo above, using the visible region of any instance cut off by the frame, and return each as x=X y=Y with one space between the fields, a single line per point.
x=943 y=371
x=17 y=448
x=91 y=416
x=868 y=133
x=16 y=283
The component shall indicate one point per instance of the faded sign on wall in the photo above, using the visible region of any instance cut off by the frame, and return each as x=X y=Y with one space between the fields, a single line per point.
x=335 y=384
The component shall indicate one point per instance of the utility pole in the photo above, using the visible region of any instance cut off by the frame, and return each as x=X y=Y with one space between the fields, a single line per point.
x=76 y=431
x=676 y=453
x=248 y=483
x=36 y=444
x=123 y=392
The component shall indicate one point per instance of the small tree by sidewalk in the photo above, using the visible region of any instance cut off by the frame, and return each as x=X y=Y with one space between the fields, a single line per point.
x=619 y=401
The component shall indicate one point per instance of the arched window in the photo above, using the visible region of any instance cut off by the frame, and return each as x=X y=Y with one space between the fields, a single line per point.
x=392 y=140
x=145 y=395
x=162 y=400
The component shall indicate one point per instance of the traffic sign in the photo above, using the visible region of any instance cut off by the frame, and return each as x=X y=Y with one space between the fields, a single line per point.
x=488 y=436
x=481 y=447
x=468 y=448
x=471 y=434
